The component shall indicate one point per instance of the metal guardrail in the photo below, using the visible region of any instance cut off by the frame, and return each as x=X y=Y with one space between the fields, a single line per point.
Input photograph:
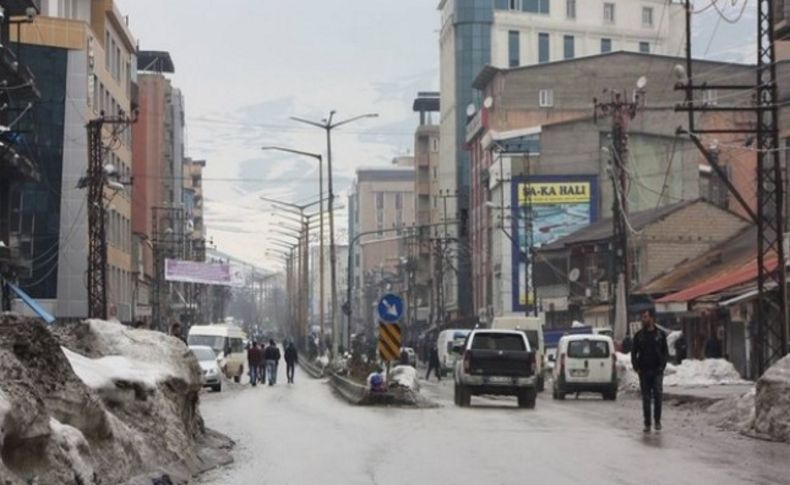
x=312 y=370
x=349 y=390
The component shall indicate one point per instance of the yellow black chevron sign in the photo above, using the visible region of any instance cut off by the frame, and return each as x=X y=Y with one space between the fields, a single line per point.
x=389 y=341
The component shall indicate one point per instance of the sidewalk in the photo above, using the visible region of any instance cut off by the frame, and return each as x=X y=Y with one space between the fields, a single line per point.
x=705 y=395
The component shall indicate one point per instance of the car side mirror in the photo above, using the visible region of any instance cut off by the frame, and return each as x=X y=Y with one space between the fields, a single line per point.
x=457 y=349
x=552 y=358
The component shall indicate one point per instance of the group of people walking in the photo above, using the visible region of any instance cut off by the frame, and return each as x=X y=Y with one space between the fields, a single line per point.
x=264 y=360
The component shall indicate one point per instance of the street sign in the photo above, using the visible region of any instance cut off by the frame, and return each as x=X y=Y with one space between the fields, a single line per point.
x=389 y=341
x=390 y=308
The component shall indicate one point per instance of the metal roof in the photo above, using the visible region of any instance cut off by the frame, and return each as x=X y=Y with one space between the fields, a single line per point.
x=744 y=274
x=155 y=61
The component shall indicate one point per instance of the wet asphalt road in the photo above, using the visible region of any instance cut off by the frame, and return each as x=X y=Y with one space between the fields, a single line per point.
x=303 y=434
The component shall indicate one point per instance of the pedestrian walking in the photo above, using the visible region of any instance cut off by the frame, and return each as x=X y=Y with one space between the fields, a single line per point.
x=291 y=358
x=713 y=347
x=272 y=357
x=177 y=332
x=649 y=359
x=681 y=349
x=433 y=364
x=254 y=358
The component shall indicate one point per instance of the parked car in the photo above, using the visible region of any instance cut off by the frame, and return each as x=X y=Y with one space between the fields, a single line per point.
x=227 y=342
x=585 y=363
x=208 y=365
x=498 y=362
x=445 y=342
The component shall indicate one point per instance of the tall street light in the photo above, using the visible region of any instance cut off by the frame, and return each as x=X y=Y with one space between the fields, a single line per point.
x=328 y=124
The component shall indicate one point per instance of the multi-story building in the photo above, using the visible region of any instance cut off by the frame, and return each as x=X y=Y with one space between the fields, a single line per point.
x=162 y=222
x=426 y=189
x=512 y=33
x=539 y=155
x=83 y=53
x=16 y=163
x=381 y=212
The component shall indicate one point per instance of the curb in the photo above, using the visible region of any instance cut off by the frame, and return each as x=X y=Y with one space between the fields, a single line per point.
x=311 y=369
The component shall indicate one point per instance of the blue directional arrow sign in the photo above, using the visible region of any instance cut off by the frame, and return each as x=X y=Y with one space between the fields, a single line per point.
x=390 y=308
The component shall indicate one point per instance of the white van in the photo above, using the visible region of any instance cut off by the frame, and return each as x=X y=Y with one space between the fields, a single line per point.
x=585 y=363
x=533 y=329
x=227 y=341
x=447 y=339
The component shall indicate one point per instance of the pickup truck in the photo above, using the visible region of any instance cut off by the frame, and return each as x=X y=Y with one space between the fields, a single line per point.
x=498 y=362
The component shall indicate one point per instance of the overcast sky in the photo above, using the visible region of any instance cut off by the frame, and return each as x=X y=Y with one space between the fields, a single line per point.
x=246 y=68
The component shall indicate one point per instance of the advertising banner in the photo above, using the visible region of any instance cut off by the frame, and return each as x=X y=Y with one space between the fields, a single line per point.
x=196 y=272
x=557 y=206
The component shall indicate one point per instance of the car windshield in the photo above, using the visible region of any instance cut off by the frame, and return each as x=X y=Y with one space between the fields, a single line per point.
x=498 y=341
x=203 y=354
x=588 y=349
x=215 y=342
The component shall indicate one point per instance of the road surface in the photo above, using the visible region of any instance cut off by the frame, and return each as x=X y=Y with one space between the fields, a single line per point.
x=303 y=434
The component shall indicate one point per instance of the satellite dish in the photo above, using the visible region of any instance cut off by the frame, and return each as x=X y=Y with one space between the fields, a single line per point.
x=488 y=102
x=471 y=110
x=574 y=275
x=641 y=82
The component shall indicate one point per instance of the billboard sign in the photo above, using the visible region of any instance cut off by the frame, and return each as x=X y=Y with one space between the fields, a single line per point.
x=220 y=274
x=559 y=206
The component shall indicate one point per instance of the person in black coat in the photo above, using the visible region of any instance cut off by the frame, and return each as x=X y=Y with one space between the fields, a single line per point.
x=433 y=364
x=291 y=358
x=649 y=359
x=272 y=357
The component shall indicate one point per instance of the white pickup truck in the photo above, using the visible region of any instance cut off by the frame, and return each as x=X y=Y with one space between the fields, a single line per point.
x=498 y=362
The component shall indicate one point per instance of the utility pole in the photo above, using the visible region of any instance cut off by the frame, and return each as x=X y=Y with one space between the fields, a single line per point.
x=96 y=180
x=771 y=335
x=328 y=125
x=621 y=112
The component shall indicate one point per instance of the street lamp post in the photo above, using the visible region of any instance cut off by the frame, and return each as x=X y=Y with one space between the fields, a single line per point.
x=328 y=124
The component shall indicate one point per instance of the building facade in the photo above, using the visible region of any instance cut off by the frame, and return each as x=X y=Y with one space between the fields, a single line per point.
x=536 y=127
x=512 y=33
x=84 y=53
x=381 y=212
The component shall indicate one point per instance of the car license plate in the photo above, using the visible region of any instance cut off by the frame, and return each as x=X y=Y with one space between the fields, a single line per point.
x=579 y=372
x=498 y=380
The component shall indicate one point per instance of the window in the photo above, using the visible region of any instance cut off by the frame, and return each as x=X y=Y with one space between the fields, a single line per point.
x=513 y=49
x=399 y=200
x=498 y=341
x=568 y=46
x=647 y=16
x=588 y=349
x=608 y=13
x=434 y=172
x=514 y=4
x=536 y=6
x=606 y=46
x=543 y=47
x=434 y=145
x=546 y=98
x=570 y=9
x=644 y=47
x=379 y=200
x=710 y=97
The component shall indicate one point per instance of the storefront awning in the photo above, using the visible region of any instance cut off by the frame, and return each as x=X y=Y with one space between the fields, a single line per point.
x=32 y=304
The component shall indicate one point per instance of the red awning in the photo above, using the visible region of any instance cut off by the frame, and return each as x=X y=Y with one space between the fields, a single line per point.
x=737 y=276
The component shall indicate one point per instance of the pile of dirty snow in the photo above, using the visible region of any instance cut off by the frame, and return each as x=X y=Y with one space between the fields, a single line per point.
x=772 y=402
x=702 y=373
x=95 y=402
x=690 y=373
x=404 y=376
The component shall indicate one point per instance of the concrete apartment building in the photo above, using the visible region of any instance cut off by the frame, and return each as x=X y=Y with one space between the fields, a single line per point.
x=426 y=189
x=165 y=214
x=537 y=127
x=382 y=202
x=512 y=33
x=83 y=55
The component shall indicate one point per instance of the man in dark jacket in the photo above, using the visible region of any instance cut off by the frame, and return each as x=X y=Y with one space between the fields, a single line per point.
x=649 y=359
x=272 y=357
x=434 y=364
x=291 y=358
x=254 y=362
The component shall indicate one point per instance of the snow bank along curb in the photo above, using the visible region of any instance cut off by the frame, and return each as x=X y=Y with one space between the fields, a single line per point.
x=96 y=402
x=772 y=402
x=689 y=374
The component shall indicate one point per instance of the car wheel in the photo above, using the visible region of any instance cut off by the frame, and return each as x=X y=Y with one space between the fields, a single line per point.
x=217 y=387
x=527 y=398
x=560 y=389
x=610 y=395
x=464 y=396
x=237 y=377
x=554 y=394
x=457 y=395
x=541 y=384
